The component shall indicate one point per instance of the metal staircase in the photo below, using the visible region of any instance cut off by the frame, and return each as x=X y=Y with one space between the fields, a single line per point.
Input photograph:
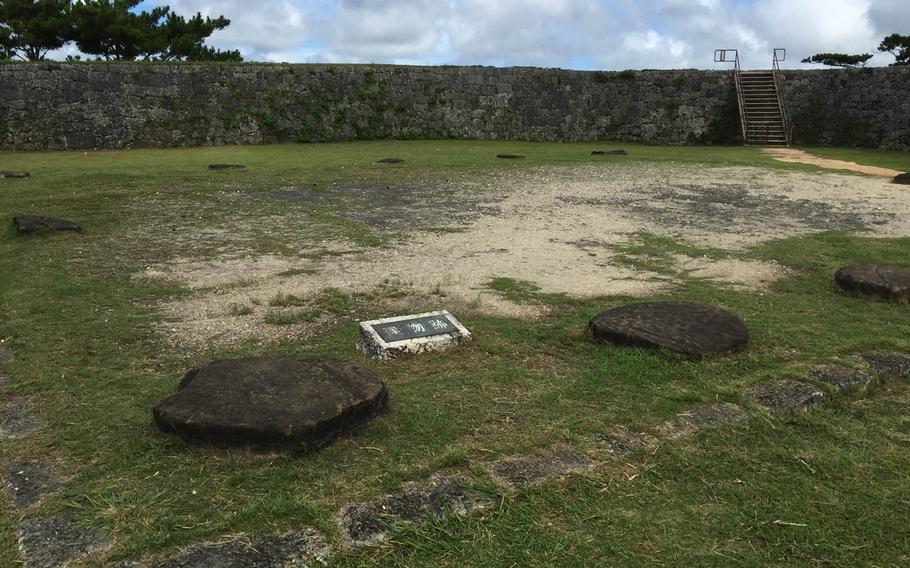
x=762 y=113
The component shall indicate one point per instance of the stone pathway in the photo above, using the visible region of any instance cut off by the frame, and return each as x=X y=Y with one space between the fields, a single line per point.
x=29 y=480
x=299 y=549
x=783 y=395
x=52 y=542
x=841 y=378
x=888 y=366
x=370 y=522
x=16 y=421
x=518 y=472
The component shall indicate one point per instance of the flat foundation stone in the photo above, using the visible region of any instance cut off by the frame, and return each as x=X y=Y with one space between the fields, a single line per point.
x=890 y=283
x=903 y=179
x=370 y=522
x=889 y=366
x=13 y=174
x=691 y=329
x=298 y=549
x=29 y=480
x=53 y=542
x=27 y=224
x=841 y=378
x=609 y=153
x=783 y=395
x=16 y=421
x=272 y=403
x=523 y=471
x=390 y=161
x=510 y=156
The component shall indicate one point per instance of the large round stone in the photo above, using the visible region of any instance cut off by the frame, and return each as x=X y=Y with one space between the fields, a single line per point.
x=692 y=329
x=886 y=282
x=263 y=403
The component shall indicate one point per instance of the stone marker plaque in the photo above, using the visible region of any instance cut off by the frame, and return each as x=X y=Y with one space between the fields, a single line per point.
x=388 y=338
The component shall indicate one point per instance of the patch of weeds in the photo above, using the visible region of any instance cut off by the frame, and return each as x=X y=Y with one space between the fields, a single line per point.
x=333 y=300
x=284 y=317
x=438 y=291
x=524 y=292
x=647 y=251
x=235 y=309
x=297 y=272
x=286 y=300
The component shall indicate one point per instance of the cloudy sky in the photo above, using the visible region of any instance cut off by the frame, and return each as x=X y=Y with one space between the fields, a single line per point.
x=576 y=34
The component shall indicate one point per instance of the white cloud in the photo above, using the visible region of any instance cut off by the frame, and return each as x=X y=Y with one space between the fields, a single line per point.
x=609 y=34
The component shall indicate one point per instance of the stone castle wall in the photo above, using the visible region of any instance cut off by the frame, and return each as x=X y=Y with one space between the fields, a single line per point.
x=119 y=105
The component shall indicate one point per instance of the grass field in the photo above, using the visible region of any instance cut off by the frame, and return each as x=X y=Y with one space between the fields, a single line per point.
x=827 y=487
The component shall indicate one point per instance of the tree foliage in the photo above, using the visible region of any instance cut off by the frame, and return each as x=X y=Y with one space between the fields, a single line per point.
x=108 y=29
x=898 y=46
x=839 y=59
x=31 y=28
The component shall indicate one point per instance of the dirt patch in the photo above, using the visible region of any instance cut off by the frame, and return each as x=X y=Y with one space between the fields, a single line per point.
x=743 y=274
x=394 y=208
x=556 y=227
x=799 y=157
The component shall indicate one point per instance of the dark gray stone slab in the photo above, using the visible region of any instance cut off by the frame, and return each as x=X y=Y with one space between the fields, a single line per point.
x=53 y=542
x=13 y=174
x=272 y=403
x=890 y=283
x=298 y=549
x=694 y=330
x=889 y=366
x=784 y=394
x=609 y=153
x=621 y=441
x=703 y=416
x=523 y=471
x=841 y=378
x=227 y=167
x=390 y=161
x=28 y=480
x=7 y=354
x=370 y=522
x=510 y=156
x=26 y=224
x=16 y=421
x=902 y=178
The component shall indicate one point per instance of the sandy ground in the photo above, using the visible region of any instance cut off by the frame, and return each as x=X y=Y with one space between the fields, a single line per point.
x=799 y=157
x=556 y=227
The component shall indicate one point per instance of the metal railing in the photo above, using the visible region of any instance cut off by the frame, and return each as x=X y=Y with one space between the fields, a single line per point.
x=780 y=54
x=732 y=56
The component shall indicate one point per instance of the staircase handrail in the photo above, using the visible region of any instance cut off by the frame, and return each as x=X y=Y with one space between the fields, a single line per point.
x=780 y=96
x=720 y=56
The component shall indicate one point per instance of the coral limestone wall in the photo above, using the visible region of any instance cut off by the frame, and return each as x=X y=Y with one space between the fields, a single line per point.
x=117 y=105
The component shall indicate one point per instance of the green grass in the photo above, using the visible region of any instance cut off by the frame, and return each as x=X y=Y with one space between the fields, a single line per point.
x=894 y=159
x=94 y=354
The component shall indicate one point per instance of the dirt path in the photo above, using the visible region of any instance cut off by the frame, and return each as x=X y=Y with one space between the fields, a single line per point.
x=799 y=157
